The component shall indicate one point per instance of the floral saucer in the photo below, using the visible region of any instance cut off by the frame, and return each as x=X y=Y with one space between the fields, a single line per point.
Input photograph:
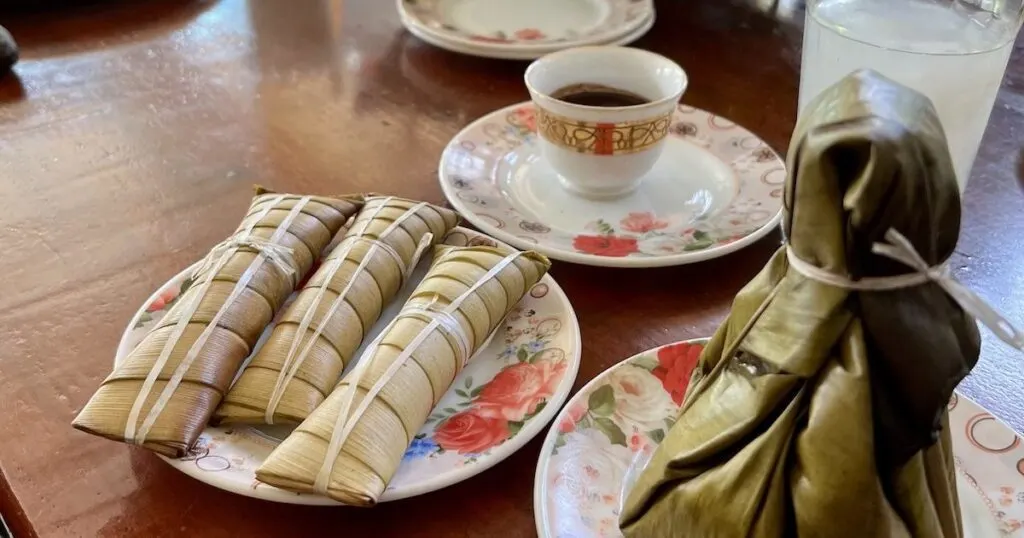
x=501 y=400
x=608 y=431
x=716 y=189
x=537 y=26
x=514 y=53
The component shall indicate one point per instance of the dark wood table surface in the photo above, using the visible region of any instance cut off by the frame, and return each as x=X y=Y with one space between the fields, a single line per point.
x=131 y=137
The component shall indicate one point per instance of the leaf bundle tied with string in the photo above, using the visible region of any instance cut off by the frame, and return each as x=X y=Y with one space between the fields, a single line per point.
x=319 y=332
x=350 y=447
x=819 y=407
x=164 y=392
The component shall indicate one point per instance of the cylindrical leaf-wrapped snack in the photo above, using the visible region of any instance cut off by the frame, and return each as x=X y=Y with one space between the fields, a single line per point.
x=164 y=392
x=351 y=446
x=317 y=335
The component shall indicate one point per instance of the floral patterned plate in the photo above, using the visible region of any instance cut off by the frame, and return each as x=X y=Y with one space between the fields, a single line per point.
x=608 y=431
x=537 y=26
x=517 y=53
x=504 y=397
x=716 y=189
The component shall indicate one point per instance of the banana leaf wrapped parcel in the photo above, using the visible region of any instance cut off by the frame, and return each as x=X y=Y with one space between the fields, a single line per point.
x=319 y=333
x=819 y=406
x=165 y=391
x=350 y=446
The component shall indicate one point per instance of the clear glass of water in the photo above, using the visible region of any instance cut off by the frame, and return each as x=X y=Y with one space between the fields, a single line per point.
x=953 y=51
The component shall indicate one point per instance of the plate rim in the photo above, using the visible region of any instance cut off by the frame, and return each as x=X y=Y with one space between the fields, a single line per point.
x=409 y=20
x=539 y=475
x=524 y=436
x=671 y=260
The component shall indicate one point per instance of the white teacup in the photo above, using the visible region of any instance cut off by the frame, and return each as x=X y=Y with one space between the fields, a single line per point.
x=604 y=151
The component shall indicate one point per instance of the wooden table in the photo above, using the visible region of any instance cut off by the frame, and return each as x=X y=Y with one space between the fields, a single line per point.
x=128 y=146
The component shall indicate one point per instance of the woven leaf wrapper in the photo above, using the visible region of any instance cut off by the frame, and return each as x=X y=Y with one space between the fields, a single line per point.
x=317 y=335
x=205 y=337
x=351 y=446
x=817 y=410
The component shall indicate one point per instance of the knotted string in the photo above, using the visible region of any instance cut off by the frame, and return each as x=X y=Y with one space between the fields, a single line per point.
x=345 y=423
x=447 y=322
x=900 y=248
x=281 y=256
x=278 y=254
x=295 y=358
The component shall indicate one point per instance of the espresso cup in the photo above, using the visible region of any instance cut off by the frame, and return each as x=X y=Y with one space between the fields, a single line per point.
x=603 y=151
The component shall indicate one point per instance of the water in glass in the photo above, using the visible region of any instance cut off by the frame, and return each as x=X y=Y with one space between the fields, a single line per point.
x=955 y=52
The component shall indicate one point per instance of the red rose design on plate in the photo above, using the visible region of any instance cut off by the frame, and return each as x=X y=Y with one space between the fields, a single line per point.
x=552 y=372
x=642 y=222
x=469 y=433
x=529 y=34
x=161 y=301
x=518 y=389
x=675 y=364
x=605 y=245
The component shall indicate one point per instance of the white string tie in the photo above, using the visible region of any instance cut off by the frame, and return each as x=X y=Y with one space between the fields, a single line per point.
x=900 y=248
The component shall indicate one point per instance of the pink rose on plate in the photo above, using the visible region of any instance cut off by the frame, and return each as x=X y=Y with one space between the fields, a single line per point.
x=642 y=222
x=518 y=389
x=525 y=117
x=572 y=416
x=636 y=441
x=552 y=373
x=161 y=301
x=529 y=34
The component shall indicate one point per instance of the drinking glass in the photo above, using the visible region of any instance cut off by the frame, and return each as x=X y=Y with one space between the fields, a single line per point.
x=953 y=51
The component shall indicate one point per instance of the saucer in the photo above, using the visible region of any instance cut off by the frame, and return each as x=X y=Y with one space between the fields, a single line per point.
x=522 y=29
x=517 y=53
x=606 y=434
x=716 y=189
x=540 y=337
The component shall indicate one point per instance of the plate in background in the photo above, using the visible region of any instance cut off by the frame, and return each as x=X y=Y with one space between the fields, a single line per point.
x=524 y=29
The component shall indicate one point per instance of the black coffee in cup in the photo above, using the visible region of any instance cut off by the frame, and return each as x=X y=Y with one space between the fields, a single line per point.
x=598 y=95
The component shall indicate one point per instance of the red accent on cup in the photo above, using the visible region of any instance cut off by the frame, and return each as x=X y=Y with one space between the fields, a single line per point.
x=604 y=139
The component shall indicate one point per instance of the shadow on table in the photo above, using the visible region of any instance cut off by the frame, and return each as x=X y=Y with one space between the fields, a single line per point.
x=55 y=27
x=11 y=88
x=1020 y=169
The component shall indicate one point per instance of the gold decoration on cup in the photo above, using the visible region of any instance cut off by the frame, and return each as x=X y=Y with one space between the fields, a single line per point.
x=602 y=138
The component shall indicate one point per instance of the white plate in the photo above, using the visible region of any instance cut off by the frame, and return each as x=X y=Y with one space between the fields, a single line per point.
x=524 y=374
x=524 y=25
x=514 y=53
x=716 y=189
x=591 y=458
